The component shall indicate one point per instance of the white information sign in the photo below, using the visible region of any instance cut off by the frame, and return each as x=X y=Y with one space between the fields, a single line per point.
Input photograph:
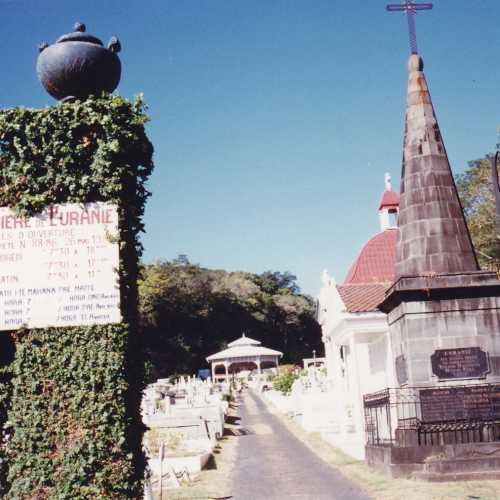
x=59 y=268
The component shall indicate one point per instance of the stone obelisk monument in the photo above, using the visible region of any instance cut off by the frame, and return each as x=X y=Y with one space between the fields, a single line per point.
x=440 y=300
x=443 y=314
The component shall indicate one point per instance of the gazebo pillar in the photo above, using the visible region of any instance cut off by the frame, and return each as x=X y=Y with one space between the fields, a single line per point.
x=215 y=364
x=226 y=368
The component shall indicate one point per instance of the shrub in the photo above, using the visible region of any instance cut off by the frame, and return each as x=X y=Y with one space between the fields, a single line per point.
x=284 y=382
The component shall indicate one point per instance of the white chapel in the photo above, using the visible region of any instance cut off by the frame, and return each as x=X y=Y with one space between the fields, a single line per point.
x=355 y=333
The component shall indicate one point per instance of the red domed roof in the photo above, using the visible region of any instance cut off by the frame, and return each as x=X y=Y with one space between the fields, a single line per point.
x=371 y=274
x=390 y=199
x=376 y=261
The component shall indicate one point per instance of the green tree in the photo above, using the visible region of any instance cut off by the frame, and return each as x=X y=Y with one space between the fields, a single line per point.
x=275 y=282
x=475 y=190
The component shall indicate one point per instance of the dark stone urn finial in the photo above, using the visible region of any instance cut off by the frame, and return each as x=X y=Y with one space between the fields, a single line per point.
x=78 y=65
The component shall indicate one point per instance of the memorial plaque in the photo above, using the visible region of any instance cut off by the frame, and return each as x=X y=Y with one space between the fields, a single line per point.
x=474 y=402
x=468 y=362
x=59 y=268
x=401 y=369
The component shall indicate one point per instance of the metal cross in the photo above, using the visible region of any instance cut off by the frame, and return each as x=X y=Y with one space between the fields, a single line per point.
x=410 y=8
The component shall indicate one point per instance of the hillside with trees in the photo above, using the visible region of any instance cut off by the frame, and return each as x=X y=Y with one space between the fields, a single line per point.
x=189 y=312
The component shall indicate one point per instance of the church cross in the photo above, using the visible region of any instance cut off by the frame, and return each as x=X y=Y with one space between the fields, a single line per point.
x=410 y=8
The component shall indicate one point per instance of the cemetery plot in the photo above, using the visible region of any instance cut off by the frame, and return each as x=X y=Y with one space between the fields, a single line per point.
x=59 y=268
x=185 y=420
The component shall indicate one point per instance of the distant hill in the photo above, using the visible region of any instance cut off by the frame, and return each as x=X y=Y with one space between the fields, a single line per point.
x=189 y=312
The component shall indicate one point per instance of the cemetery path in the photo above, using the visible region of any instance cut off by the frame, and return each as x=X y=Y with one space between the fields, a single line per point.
x=272 y=464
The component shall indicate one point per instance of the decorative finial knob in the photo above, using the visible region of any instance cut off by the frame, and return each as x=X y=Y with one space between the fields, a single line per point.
x=415 y=63
x=79 y=27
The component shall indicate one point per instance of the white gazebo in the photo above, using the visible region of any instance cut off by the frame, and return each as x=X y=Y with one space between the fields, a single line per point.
x=243 y=354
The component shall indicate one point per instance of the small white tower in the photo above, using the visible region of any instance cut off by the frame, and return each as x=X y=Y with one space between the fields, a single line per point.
x=389 y=206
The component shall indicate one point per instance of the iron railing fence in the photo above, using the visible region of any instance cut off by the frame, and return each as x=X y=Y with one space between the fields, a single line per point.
x=419 y=416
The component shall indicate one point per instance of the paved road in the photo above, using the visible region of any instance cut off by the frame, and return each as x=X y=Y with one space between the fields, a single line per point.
x=273 y=464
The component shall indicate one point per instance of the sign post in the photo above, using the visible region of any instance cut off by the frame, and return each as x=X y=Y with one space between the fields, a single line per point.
x=59 y=268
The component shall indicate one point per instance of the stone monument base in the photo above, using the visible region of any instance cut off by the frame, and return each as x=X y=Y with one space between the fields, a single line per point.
x=459 y=462
x=439 y=434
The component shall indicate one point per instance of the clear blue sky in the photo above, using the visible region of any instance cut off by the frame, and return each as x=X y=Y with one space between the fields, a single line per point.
x=274 y=121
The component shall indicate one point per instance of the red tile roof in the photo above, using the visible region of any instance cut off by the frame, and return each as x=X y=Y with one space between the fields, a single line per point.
x=390 y=199
x=375 y=263
x=371 y=274
x=363 y=297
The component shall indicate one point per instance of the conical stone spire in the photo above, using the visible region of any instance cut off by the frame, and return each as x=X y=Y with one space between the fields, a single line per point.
x=433 y=236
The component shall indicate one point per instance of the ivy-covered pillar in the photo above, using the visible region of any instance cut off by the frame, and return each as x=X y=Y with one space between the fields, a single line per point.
x=72 y=393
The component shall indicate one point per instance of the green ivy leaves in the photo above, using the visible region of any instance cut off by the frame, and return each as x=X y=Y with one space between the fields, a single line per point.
x=68 y=412
x=74 y=152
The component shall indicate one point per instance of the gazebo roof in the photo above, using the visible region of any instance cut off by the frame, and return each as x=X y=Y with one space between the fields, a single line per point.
x=243 y=341
x=244 y=347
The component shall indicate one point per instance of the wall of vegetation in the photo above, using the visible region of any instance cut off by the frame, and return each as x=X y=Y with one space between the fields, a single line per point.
x=70 y=397
x=189 y=312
